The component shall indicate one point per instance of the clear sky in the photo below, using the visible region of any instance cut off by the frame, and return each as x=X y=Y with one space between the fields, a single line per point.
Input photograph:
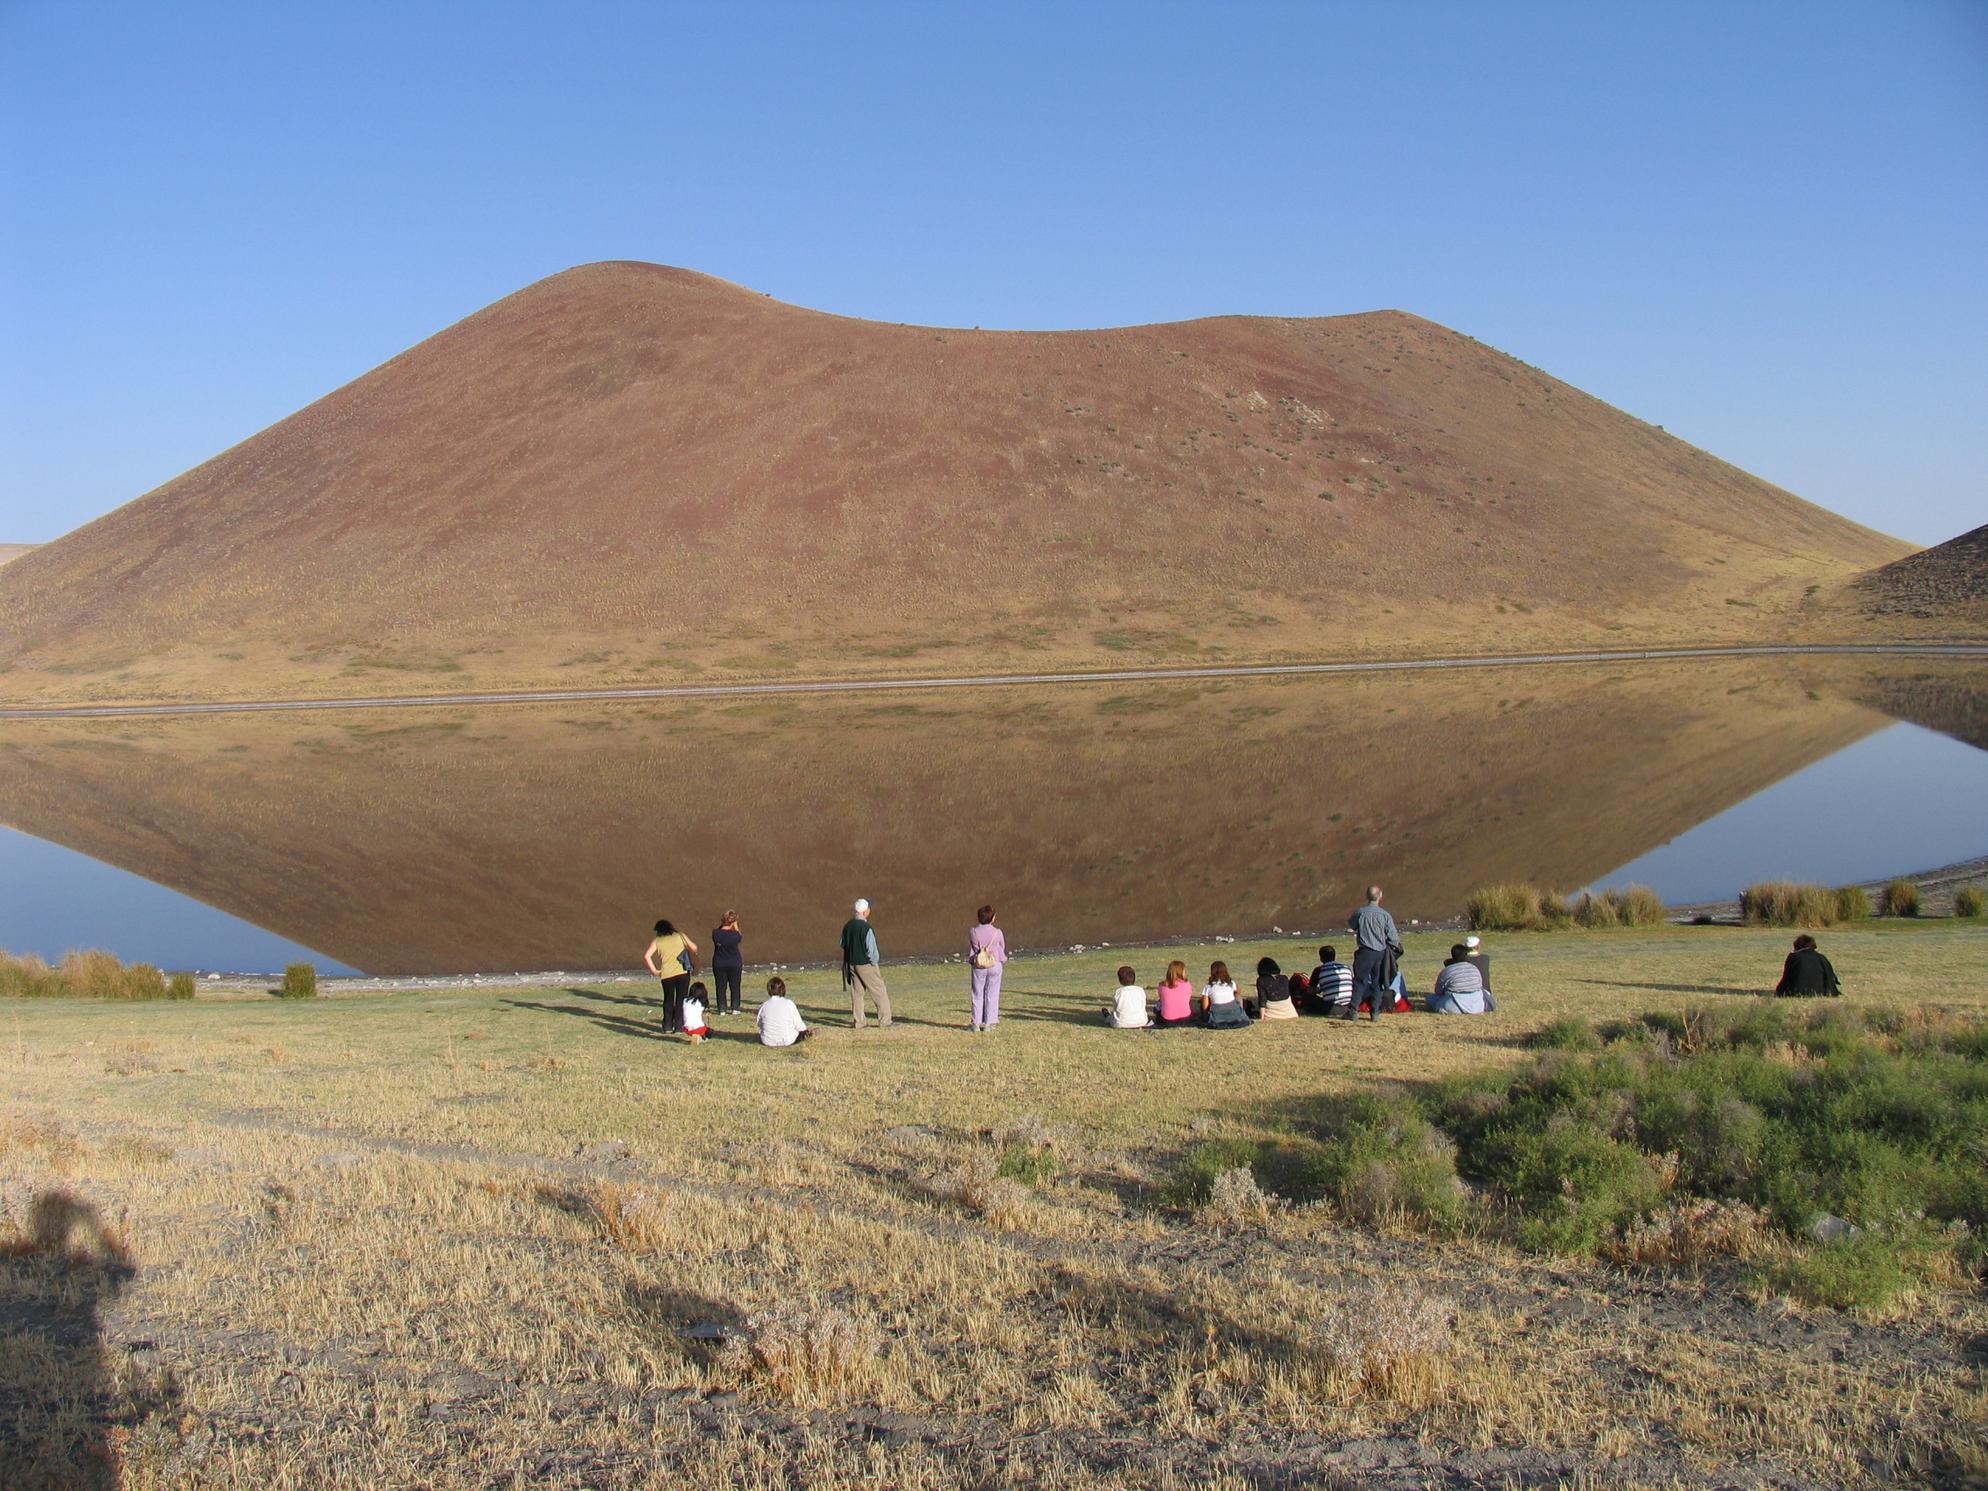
x=1763 y=226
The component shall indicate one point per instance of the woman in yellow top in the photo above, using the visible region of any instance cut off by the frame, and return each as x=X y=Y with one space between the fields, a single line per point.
x=669 y=958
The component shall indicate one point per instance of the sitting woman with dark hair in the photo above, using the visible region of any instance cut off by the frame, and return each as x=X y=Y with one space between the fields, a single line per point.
x=1807 y=972
x=1273 y=992
x=1220 y=1008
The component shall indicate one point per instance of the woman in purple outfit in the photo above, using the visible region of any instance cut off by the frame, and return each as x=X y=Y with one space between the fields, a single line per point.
x=986 y=953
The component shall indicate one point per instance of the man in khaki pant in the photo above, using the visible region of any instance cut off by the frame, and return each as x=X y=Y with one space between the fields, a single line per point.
x=860 y=973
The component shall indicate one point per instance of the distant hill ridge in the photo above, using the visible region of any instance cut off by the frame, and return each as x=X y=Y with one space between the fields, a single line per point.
x=632 y=473
x=1949 y=579
x=15 y=551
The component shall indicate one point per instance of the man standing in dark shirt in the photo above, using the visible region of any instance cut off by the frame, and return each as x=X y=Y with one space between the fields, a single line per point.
x=1378 y=945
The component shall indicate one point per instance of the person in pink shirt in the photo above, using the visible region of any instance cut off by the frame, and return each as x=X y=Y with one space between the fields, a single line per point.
x=1174 y=992
x=986 y=955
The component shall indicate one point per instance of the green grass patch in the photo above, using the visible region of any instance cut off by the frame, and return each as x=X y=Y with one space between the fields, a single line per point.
x=1874 y=1119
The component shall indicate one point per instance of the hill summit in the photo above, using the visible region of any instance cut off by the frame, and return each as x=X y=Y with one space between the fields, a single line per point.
x=628 y=473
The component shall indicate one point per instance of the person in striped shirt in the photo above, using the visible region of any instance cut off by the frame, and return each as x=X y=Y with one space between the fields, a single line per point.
x=1331 y=991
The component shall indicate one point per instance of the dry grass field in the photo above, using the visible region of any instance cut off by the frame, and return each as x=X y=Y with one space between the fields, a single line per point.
x=630 y=474
x=494 y=1240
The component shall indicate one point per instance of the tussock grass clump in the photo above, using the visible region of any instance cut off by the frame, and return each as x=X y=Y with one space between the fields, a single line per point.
x=29 y=978
x=1505 y=908
x=1970 y=901
x=1689 y=1234
x=1853 y=903
x=92 y=974
x=1786 y=903
x=1900 y=897
x=1594 y=912
x=180 y=986
x=810 y=1354
x=300 y=981
x=1801 y=1116
x=1638 y=906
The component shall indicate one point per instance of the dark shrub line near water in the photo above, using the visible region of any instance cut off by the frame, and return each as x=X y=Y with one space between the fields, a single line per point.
x=1844 y=1154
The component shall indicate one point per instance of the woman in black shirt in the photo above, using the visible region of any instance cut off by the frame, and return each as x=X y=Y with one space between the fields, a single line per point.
x=1807 y=972
x=726 y=965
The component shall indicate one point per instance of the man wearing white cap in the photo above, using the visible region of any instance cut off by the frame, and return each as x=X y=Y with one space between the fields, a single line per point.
x=1473 y=952
x=860 y=973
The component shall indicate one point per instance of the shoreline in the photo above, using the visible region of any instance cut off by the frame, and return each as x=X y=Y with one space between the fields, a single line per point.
x=156 y=709
x=1941 y=882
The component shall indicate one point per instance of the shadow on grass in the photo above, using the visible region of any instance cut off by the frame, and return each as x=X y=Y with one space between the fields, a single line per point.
x=618 y=1024
x=1616 y=983
x=700 y=1326
x=60 y=1398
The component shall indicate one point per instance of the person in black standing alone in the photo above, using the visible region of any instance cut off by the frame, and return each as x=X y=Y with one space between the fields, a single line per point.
x=726 y=965
x=1807 y=972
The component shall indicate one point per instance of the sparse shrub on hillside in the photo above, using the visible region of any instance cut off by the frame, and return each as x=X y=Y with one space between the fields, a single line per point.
x=1853 y=904
x=1971 y=901
x=1901 y=898
x=300 y=981
x=1594 y=912
x=180 y=986
x=1784 y=903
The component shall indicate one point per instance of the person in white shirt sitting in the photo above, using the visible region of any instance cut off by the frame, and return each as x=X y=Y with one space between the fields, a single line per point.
x=1220 y=1008
x=693 y=1014
x=780 y=1023
x=1127 y=1010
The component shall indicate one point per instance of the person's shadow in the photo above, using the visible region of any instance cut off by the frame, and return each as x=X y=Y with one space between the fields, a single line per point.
x=62 y=1414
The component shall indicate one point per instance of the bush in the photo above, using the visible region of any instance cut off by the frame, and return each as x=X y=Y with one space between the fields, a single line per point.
x=29 y=978
x=1380 y=1159
x=1593 y=911
x=180 y=986
x=300 y=981
x=1505 y=908
x=1783 y=903
x=1638 y=906
x=1853 y=904
x=1553 y=906
x=1568 y=1033
x=1788 y=1113
x=1970 y=900
x=1901 y=898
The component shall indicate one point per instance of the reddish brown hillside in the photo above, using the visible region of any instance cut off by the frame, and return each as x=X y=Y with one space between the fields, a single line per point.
x=628 y=473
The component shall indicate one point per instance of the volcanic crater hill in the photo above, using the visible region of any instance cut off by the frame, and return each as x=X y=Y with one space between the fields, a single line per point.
x=628 y=473
x=1948 y=582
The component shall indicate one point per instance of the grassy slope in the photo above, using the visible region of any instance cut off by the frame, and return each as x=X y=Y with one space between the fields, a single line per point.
x=370 y=1242
x=628 y=473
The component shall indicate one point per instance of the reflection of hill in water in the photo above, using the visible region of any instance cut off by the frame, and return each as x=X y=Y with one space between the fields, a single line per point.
x=542 y=837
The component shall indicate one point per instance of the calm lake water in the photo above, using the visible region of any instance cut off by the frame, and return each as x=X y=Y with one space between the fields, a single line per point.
x=549 y=837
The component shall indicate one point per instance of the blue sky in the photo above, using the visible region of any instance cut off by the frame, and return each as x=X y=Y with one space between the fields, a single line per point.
x=1764 y=226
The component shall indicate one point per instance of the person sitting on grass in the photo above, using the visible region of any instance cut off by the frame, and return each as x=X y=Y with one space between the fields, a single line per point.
x=1807 y=972
x=1331 y=991
x=1459 y=987
x=693 y=1014
x=1176 y=996
x=1220 y=1009
x=1473 y=949
x=1127 y=1010
x=1273 y=992
x=780 y=1023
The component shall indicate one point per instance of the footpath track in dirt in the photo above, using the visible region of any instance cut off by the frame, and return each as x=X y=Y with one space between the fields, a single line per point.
x=997 y=680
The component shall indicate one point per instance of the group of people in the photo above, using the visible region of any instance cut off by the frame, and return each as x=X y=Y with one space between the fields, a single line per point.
x=1373 y=982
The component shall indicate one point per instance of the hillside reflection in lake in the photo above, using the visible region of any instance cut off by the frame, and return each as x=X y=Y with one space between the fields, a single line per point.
x=542 y=837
